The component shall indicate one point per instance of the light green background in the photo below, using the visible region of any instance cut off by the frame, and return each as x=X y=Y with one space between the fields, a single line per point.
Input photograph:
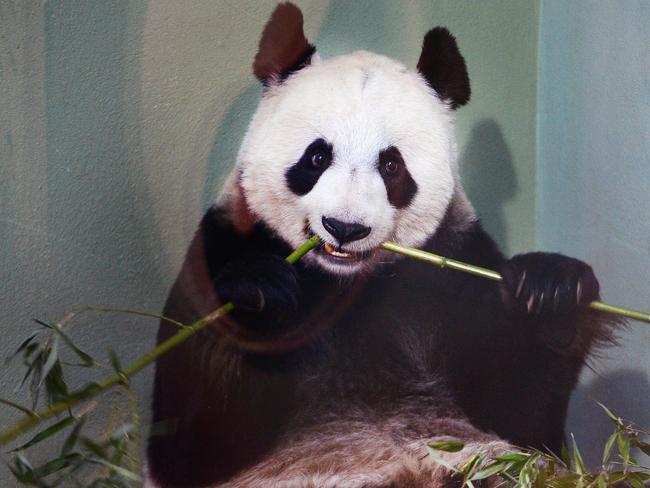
x=119 y=121
x=594 y=183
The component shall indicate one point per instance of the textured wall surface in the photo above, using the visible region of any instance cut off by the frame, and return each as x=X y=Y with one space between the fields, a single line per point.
x=119 y=121
x=594 y=182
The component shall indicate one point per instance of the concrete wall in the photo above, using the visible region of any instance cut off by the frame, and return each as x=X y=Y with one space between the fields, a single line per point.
x=594 y=182
x=119 y=121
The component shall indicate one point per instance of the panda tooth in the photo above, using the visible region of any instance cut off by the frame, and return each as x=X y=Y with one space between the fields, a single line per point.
x=339 y=254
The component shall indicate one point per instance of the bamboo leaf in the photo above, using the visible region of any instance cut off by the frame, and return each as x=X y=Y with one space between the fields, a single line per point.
x=71 y=441
x=644 y=446
x=579 y=464
x=23 y=345
x=468 y=467
x=490 y=470
x=23 y=460
x=30 y=368
x=36 y=475
x=541 y=479
x=52 y=358
x=566 y=457
x=608 y=447
x=55 y=385
x=624 y=450
x=635 y=480
x=26 y=410
x=614 y=477
x=115 y=362
x=125 y=473
x=49 y=432
x=21 y=467
x=98 y=450
x=565 y=481
x=86 y=359
x=529 y=471
x=43 y=323
x=609 y=413
x=512 y=457
x=36 y=373
x=447 y=446
x=434 y=455
x=137 y=312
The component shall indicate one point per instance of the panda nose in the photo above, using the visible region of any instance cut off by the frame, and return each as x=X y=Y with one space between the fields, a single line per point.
x=345 y=231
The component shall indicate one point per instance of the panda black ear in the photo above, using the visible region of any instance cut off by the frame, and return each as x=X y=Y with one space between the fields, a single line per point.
x=444 y=68
x=283 y=48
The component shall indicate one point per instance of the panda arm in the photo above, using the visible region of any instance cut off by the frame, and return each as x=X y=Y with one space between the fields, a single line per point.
x=215 y=407
x=518 y=350
x=249 y=269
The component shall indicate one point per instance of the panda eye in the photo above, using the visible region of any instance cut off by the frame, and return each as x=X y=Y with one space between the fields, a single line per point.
x=391 y=167
x=320 y=159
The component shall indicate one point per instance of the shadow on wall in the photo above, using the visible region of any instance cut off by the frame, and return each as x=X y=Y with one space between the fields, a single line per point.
x=489 y=177
x=621 y=391
x=227 y=141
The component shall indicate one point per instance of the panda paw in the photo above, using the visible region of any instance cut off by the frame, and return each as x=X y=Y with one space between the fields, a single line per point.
x=263 y=287
x=543 y=284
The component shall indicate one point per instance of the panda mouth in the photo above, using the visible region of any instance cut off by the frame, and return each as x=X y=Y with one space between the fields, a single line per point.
x=336 y=254
x=331 y=250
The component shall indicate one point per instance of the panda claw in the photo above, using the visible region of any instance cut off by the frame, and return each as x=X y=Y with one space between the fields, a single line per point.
x=520 y=285
x=265 y=287
x=545 y=283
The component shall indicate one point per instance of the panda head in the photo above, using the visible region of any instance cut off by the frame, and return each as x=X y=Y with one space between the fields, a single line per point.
x=357 y=149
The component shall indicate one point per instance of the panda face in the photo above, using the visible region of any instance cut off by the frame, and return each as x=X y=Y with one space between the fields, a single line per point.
x=355 y=149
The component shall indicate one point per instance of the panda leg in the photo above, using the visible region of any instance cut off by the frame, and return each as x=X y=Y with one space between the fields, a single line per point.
x=352 y=454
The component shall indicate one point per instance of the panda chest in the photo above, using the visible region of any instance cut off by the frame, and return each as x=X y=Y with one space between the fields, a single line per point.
x=383 y=350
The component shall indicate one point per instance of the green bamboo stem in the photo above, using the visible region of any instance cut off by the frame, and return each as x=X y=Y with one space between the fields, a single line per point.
x=493 y=275
x=30 y=420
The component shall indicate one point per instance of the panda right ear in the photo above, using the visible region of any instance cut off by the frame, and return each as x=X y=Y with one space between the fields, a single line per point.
x=283 y=47
x=444 y=68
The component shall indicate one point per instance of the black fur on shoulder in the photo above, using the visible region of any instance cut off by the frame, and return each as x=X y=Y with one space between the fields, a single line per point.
x=444 y=68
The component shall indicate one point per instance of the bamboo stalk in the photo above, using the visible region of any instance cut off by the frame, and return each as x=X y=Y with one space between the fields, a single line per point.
x=30 y=420
x=493 y=275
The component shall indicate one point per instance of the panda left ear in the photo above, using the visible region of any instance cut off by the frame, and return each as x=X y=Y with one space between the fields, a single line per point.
x=283 y=47
x=444 y=68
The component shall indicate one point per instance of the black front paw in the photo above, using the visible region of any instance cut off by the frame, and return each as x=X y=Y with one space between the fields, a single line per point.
x=544 y=284
x=263 y=287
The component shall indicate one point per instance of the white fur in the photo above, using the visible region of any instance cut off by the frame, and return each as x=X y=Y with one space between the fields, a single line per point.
x=361 y=103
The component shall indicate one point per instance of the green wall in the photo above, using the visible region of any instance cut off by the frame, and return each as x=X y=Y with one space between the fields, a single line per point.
x=119 y=121
x=594 y=184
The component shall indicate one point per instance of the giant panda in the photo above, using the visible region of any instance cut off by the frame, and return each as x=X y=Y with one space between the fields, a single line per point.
x=337 y=371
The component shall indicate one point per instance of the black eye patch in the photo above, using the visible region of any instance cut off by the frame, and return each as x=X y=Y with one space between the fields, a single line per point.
x=400 y=186
x=303 y=175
